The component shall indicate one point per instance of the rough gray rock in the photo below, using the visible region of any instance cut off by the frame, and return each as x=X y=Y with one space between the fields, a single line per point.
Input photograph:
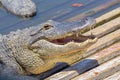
x=23 y=8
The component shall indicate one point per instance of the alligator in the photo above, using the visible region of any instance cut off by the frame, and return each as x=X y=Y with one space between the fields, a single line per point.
x=23 y=8
x=37 y=49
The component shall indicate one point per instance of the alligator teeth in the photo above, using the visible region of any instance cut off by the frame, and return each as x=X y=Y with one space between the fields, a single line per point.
x=77 y=34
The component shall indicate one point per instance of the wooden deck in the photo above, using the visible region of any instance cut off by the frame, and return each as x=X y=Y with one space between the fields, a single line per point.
x=102 y=60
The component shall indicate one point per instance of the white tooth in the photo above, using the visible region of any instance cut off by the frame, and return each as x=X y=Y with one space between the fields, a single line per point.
x=95 y=40
x=77 y=34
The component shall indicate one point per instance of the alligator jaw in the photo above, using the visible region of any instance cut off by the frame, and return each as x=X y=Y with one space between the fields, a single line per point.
x=62 y=34
x=63 y=50
x=74 y=38
x=62 y=40
x=77 y=38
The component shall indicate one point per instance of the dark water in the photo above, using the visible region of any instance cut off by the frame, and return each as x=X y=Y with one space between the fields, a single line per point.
x=59 y=10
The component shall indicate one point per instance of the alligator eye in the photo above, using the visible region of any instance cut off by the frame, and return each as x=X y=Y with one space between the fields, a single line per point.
x=47 y=26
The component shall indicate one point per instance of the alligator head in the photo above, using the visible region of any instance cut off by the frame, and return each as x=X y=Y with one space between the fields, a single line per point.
x=38 y=49
x=62 y=34
x=23 y=8
x=60 y=42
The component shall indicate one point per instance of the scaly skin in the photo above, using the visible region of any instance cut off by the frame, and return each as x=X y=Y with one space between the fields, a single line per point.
x=37 y=49
x=23 y=8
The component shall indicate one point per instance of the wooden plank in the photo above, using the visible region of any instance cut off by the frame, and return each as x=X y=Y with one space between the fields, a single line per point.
x=103 y=42
x=95 y=10
x=107 y=53
x=105 y=28
x=89 y=63
x=101 y=71
x=115 y=76
x=108 y=15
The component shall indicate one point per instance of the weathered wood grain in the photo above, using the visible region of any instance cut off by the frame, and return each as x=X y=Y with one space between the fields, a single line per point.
x=105 y=28
x=102 y=71
x=108 y=15
x=104 y=41
x=115 y=76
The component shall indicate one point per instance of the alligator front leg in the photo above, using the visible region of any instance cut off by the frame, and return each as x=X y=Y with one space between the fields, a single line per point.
x=9 y=68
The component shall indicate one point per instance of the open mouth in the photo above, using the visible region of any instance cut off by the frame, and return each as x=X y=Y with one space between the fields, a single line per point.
x=63 y=41
x=73 y=38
